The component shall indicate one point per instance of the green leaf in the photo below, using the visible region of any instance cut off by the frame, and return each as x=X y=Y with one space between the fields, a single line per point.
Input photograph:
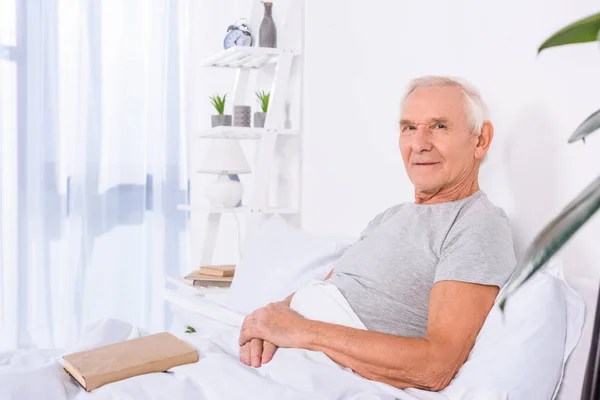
x=556 y=234
x=263 y=100
x=582 y=31
x=218 y=103
x=221 y=108
x=590 y=125
x=189 y=329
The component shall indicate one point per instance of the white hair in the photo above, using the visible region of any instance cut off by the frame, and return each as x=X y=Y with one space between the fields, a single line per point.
x=477 y=111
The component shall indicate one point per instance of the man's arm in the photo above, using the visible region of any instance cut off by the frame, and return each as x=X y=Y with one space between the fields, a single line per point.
x=457 y=311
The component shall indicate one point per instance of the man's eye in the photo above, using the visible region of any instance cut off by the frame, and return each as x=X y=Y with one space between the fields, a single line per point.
x=440 y=126
x=409 y=128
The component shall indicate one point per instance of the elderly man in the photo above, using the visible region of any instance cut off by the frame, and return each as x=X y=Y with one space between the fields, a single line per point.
x=424 y=275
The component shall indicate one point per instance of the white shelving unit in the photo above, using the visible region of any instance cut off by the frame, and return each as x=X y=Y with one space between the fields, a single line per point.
x=242 y=133
x=244 y=57
x=205 y=208
x=245 y=60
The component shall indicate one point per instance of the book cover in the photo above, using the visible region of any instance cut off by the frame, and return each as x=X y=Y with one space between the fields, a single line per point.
x=217 y=270
x=210 y=283
x=197 y=276
x=154 y=353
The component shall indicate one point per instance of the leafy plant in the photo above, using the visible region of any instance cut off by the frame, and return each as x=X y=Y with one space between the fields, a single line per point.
x=190 y=329
x=575 y=214
x=263 y=100
x=581 y=209
x=218 y=103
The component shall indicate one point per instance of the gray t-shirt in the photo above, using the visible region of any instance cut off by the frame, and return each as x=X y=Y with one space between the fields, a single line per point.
x=388 y=273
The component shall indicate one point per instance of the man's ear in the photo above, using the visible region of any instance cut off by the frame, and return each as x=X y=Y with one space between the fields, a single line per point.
x=484 y=140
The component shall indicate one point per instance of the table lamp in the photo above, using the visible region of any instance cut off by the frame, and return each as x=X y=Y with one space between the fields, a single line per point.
x=224 y=157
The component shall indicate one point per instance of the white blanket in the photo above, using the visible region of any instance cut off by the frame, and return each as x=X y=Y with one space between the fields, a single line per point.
x=291 y=374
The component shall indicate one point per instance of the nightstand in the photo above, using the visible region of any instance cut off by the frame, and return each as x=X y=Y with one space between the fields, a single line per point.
x=203 y=308
x=214 y=294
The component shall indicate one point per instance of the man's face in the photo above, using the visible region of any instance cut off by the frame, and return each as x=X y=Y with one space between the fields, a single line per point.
x=437 y=147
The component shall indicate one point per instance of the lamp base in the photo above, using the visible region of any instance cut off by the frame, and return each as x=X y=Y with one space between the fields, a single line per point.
x=224 y=192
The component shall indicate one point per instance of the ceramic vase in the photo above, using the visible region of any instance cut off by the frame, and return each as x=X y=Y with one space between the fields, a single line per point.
x=267 y=34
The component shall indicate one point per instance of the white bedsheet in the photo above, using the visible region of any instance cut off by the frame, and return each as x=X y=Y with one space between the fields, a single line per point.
x=291 y=374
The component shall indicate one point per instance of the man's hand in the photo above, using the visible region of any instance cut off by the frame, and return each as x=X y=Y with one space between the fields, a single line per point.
x=276 y=323
x=257 y=352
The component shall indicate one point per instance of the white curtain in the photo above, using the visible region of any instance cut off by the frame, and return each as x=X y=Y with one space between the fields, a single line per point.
x=93 y=157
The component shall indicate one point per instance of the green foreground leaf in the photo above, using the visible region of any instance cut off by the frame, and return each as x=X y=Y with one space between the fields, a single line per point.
x=590 y=125
x=556 y=234
x=582 y=31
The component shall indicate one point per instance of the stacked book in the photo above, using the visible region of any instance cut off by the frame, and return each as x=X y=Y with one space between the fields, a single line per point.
x=212 y=276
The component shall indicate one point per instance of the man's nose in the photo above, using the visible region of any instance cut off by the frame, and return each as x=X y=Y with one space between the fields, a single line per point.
x=421 y=139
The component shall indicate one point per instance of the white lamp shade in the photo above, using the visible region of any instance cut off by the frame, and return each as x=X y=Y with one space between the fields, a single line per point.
x=224 y=156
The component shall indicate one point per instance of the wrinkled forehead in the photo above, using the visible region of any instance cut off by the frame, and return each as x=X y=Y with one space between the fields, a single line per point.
x=435 y=102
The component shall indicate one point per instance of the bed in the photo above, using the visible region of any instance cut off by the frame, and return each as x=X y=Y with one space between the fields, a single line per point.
x=292 y=374
x=516 y=355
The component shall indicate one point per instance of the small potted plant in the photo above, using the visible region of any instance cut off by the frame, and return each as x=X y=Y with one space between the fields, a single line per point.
x=263 y=101
x=220 y=119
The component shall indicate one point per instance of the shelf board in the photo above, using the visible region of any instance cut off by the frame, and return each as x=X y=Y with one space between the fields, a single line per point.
x=235 y=210
x=243 y=57
x=240 y=132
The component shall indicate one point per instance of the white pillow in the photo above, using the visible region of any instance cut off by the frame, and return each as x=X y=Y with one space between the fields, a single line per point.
x=277 y=261
x=523 y=351
x=572 y=384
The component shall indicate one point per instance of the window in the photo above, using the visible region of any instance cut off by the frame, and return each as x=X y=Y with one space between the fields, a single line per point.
x=8 y=22
x=9 y=137
x=8 y=69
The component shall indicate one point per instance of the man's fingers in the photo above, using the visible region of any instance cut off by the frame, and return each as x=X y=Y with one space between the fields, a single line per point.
x=245 y=354
x=246 y=335
x=268 y=351
x=256 y=350
x=246 y=329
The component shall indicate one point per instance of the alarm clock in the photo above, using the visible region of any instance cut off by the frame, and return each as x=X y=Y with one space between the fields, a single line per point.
x=238 y=34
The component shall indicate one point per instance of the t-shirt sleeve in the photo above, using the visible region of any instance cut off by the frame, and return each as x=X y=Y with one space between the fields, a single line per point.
x=478 y=249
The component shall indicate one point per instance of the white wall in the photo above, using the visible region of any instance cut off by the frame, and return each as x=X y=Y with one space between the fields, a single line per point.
x=359 y=57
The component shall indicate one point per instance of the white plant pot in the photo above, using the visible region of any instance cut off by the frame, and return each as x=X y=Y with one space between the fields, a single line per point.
x=224 y=192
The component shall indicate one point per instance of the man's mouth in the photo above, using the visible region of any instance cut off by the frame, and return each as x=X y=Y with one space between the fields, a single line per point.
x=425 y=163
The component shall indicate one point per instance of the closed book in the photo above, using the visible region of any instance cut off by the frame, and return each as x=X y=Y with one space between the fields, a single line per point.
x=217 y=270
x=203 y=283
x=154 y=353
x=197 y=276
